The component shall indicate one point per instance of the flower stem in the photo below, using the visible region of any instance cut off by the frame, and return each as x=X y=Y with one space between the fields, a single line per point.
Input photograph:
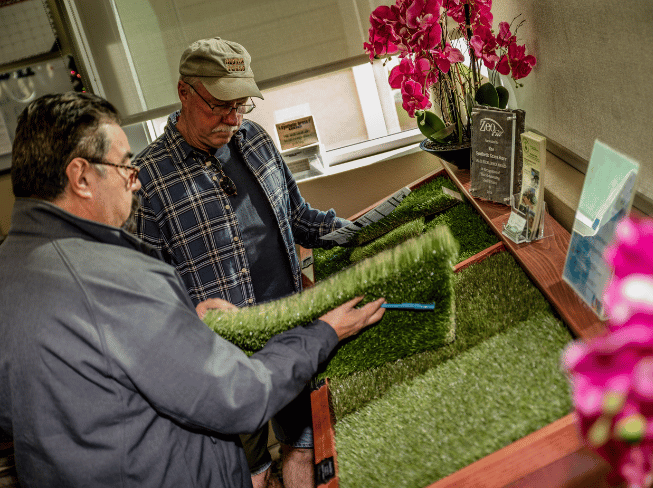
x=468 y=27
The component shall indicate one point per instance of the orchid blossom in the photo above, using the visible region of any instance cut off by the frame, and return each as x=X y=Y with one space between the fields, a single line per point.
x=413 y=97
x=612 y=375
x=417 y=31
x=445 y=58
x=485 y=45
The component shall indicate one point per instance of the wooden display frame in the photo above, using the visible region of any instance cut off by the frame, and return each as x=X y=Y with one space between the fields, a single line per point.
x=553 y=456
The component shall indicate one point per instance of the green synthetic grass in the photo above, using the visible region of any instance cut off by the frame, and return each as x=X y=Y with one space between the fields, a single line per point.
x=428 y=199
x=490 y=297
x=418 y=268
x=466 y=225
x=458 y=412
x=329 y=261
x=391 y=239
x=468 y=228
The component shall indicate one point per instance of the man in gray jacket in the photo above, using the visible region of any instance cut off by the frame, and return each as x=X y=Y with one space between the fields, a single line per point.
x=108 y=378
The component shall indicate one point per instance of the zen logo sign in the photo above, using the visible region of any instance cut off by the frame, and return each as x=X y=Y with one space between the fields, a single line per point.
x=491 y=125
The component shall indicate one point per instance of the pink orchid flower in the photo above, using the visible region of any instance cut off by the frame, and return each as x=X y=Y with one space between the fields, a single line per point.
x=421 y=13
x=520 y=64
x=484 y=44
x=516 y=62
x=444 y=58
x=421 y=30
x=612 y=375
x=505 y=37
x=413 y=97
x=479 y=12
x=632 y=251
x=382 y=37
x=408 y=70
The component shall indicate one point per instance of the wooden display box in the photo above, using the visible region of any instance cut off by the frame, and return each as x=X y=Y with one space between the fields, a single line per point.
x=550 y=457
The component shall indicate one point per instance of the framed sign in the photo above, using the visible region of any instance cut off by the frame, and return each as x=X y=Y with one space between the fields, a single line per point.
x=496 y=153
x=297 y=133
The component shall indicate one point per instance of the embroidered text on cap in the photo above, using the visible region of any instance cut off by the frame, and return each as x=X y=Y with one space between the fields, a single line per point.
x=235 y=64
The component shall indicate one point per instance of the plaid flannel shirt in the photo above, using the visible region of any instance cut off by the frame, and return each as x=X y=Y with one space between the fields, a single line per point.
x=185 y=214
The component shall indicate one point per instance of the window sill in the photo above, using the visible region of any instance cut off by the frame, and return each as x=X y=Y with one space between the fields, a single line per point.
x=366 y=153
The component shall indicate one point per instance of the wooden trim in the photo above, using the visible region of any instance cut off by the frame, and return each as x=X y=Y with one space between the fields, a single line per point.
x=324 y=439
x=550 y=457
x=480 y=256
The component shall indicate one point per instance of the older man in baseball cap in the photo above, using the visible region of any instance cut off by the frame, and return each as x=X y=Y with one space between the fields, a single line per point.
x=221 y=205
x=223 y=68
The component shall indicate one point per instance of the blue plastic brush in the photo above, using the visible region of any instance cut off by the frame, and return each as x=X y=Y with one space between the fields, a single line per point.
x=409 y=306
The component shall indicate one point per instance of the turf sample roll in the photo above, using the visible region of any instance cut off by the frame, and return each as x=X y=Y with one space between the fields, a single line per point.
x=417 y=270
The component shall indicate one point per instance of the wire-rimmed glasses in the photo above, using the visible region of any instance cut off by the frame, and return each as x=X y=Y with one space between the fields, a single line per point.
x=224 y=109
x=133 y=175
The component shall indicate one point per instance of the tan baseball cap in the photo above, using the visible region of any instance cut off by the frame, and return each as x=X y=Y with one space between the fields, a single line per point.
x=223 y=66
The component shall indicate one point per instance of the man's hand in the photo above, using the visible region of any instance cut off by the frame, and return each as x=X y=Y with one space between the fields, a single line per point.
x=347 y=320
x=213 y=303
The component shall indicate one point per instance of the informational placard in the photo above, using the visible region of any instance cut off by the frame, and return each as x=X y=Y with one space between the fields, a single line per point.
x=345 y=234
x=607 y=196
x=297 y=133
x=531 y=200
x=496 y=153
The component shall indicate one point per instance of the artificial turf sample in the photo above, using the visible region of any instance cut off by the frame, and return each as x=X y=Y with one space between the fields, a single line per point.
x=426 y=200
x=467 y=227
x=458 y=412
x=486 y=304
x=418 y=268
x=391 y=239
x=329 y=261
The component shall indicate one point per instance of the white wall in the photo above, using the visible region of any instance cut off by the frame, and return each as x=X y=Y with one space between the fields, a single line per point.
x=593 y=77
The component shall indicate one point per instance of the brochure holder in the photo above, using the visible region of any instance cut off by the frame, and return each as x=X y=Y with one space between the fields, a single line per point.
x=516 y=229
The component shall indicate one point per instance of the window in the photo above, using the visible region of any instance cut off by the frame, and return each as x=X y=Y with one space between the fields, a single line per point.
x=307 y=52
x=355 y=111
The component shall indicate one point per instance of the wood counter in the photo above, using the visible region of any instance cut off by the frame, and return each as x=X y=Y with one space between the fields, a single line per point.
x=553 y=456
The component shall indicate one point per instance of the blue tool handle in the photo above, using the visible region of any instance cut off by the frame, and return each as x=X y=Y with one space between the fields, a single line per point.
x=409 y=306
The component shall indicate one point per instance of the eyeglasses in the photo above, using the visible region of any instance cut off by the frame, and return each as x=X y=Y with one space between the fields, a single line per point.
x=226 y=183
x=224 y=109
x=131 y=179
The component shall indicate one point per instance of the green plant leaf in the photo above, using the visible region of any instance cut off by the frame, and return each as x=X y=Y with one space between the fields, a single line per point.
x=428 y=123
x=502 y=91
x=441 y=135
x=487 y=95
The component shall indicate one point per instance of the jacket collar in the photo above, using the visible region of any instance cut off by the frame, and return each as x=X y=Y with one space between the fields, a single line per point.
x=38 y=218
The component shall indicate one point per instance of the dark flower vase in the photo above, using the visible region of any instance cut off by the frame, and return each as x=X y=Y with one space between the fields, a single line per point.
x=459 y=155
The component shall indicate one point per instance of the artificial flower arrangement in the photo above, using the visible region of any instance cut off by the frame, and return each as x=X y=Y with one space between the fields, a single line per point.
x=421 y=32
x=612 y=375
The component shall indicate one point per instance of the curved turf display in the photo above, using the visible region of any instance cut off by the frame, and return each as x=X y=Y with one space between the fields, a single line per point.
x=485 y=306
x=419 y=269
x=429 y=206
